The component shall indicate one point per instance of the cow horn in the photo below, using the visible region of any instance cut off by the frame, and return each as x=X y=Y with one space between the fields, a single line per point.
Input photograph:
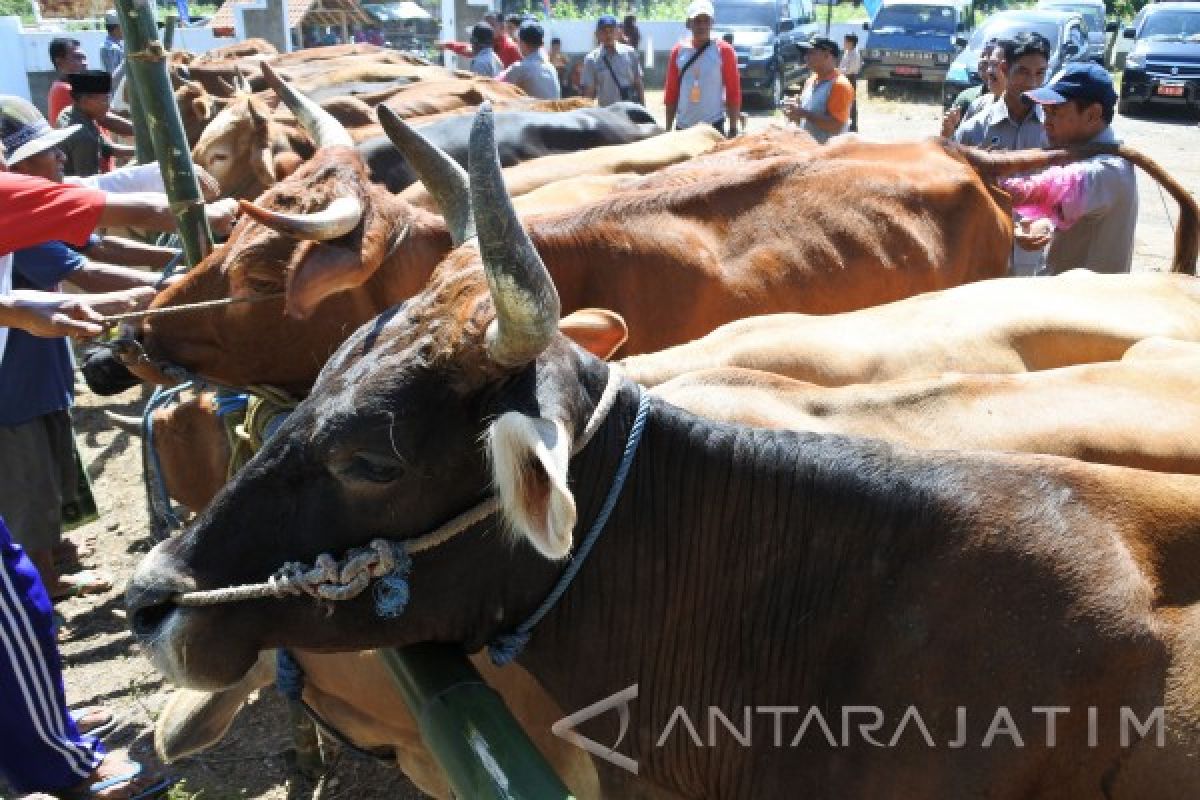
x=442 y=175
x=527 y=306
x=337 y=219
x=321 y=126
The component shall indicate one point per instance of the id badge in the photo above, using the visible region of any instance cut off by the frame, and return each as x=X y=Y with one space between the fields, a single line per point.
x=694 y=96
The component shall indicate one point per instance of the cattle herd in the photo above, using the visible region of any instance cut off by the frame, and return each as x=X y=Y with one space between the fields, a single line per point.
x=901 y=525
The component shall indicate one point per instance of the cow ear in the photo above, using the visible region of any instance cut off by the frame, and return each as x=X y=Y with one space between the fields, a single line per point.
x=529 y=469
x=599 y=331
x=326 y=268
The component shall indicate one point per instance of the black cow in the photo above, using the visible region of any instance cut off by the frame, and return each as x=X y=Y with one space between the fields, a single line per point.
x=868 y=621
x=520 y=136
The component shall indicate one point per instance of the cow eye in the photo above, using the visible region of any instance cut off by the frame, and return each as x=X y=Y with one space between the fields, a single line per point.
x=374 y=467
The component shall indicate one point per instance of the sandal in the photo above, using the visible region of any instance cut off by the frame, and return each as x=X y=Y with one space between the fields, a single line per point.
x=153 y=786
x=78 y=584
x=95 y=721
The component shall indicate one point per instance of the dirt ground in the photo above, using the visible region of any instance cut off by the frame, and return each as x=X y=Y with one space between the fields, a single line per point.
x=103 y=666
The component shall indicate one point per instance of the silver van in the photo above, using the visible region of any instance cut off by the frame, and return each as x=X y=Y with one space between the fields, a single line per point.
x=1093 y=13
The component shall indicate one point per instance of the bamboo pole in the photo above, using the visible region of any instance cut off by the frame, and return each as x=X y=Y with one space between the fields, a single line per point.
x=146 y=61
x=169 y=32
x=483 y=750
x=143 y=147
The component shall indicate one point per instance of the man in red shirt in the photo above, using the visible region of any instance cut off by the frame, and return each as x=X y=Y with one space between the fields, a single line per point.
x=505 y=48
x=68 y=59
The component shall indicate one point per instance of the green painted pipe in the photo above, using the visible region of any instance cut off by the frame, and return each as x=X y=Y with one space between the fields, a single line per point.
x=480 y=746
x=145 y=60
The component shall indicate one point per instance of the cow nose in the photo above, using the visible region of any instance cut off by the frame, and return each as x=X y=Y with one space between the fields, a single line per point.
x=148 y=607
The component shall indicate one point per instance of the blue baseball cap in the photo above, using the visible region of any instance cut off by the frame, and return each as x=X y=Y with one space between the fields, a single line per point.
x=1089 y=82
x=606 y=20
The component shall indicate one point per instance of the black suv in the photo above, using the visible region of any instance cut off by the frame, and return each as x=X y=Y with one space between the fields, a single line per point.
x=1164 y=65
x=765 y=35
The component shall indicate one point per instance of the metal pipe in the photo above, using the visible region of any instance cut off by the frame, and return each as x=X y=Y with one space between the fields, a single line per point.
x=481 y=747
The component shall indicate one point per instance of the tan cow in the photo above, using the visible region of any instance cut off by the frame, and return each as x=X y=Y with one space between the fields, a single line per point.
x=641 y=158
x=1142 y=413
x=1000 y=326
x=353 y=692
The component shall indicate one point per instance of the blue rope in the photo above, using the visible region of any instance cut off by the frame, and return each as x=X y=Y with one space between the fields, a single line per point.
x=508 y=646
x=289 y=677
x=166 y=519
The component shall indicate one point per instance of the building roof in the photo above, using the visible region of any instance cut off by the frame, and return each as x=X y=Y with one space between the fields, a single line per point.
x=300 y=12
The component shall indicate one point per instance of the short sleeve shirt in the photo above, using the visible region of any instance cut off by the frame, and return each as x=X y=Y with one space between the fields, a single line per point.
x=37 y=374
x=833 y=97
x=486 y=63
x=626 y=66
x=33 y=211
x=535 y=76
x=1103 y=218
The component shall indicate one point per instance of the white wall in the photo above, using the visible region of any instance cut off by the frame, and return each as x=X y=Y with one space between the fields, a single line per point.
x=25 y=51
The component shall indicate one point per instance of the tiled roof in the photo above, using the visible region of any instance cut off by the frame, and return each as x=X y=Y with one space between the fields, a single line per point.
x=306 y=12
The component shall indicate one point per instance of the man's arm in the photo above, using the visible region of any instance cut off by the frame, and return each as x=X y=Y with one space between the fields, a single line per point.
x=152 y=211
x=671 y=87
x=96 y=277
x=129 y=253
x=118 y=124
x=638 y=83
x=733 y=86
x=587 y=79
x=50 y=315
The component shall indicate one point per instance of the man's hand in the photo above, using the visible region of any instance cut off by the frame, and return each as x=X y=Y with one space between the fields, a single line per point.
x=950 y=121
x=121 y=302
x=221 y=215
x=51 y=315
x=1033 y=235
x=792 y=110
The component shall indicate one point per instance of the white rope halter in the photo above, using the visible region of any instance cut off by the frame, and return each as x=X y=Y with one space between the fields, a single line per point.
x=330 y=579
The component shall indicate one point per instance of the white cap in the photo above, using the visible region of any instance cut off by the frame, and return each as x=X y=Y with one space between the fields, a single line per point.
x=700 y=7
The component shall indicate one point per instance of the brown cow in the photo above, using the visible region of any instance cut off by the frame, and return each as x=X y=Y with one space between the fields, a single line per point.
x=858 y=233
x=1002 y=326
x=739 y=569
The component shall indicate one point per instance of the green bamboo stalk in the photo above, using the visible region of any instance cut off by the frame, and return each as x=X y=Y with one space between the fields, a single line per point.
x=480 y=746
x=146 y=61
x=143 y=147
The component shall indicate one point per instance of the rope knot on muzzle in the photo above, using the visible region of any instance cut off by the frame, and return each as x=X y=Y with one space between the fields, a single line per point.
x=333 y=580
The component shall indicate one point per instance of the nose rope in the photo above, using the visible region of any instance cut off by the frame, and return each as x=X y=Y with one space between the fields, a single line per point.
x=388 y=560
x=113 y=319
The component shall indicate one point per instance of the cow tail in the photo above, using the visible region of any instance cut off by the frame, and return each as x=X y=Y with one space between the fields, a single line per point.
x=993 y=165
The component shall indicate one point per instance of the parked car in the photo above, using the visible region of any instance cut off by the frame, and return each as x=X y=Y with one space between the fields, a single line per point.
x=1063 y=29
x=765 y=33
x=1093 y=13
x=914 y=41
x=1164 y=66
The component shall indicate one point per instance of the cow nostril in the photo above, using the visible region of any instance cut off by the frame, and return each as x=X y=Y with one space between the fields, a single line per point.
x=146 y=621
x=149 y=609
